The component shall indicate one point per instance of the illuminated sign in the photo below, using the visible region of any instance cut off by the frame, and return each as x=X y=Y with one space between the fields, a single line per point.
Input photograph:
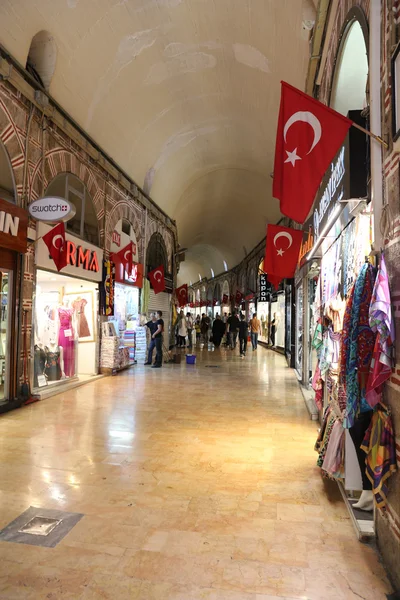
x=116 y=238
x=78 y=256
x=51 y=209
x=306 y=247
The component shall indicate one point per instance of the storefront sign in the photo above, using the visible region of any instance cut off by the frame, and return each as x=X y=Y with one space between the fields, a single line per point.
x=13 y=227
x=120 y=238
x=51 y=209
x=265 y=288
x=306 y=247
x=116 y=238
x=329 y=198
x=83 y=259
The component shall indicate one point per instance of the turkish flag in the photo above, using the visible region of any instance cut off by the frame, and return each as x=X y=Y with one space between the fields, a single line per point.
x=181 y=294
x=281 y=252
x=125 y=256
x=308 y=137
x=157 y=279
x=55 y=242
x=238 y=297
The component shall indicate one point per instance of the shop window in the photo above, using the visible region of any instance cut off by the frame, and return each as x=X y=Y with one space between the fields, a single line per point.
x=126 y=227
x=84 y=224
x=6 y=177
x=42 y=57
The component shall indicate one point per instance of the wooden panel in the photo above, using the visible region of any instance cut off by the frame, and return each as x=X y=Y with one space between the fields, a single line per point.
x=13 y=227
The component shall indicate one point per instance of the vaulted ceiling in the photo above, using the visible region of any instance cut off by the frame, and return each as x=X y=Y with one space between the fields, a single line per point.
x=184 y=95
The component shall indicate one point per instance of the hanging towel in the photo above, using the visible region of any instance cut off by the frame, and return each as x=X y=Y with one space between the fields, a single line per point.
x=380 y=447
x=380 y=321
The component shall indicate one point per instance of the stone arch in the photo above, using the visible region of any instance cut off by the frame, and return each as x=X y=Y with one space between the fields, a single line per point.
x=155 y=227
x=156 y=252
x=13 y=144
x=123 y=210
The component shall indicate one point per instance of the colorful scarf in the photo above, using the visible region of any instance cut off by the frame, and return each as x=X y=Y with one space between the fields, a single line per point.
x=361 y=345
x=380 y=321
x=345 y=339
x=379 y=445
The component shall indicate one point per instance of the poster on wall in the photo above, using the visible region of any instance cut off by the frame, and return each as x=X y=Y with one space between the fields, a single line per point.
x=82 y=304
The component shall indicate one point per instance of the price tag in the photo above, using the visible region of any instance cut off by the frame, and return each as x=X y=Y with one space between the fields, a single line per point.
x=68 y=332
x=42 y=381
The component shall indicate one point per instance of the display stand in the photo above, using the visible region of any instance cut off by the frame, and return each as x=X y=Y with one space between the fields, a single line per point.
x=115 y=355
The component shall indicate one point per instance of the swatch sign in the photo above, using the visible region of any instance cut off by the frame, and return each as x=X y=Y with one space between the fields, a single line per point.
x=51 y=209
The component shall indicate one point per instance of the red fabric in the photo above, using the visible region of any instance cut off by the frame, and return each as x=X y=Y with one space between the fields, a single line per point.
x=55 y=242
x=281 y=252
x=157 y=279
x=125 y=257
x=181 y=294
x=309 y=135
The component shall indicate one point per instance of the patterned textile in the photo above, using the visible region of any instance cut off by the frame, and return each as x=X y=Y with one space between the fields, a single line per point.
x=333 y=464
x=345 y=339
x=360 y=347
x=380 y=321
x=318 y=387
x=321 y=445
x=379 y=445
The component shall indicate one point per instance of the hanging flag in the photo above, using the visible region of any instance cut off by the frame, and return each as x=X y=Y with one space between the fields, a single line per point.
x=125 y=257
x=309 y=135
x=238 y=297
x=281 y=252
x=157 y=279
x=181 y=294
x=55 y=242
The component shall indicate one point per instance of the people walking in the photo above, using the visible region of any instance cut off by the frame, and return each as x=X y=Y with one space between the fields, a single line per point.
x=255 y=331
x=190 y=326
x=243 y=334
x=233 y=326
x=218 y=331
x=157 y=336
x=182 y=330
x=204 y=327
x=152 y=327
x=198 y=329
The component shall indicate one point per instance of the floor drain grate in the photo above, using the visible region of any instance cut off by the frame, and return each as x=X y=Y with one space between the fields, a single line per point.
x=212 y=366
x=40 y=526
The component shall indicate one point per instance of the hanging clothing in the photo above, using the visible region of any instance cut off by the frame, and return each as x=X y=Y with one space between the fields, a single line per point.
x=318 y=387
x=361 y=345
x=335 y=312
x=380 y=446
x=345 y=338
x=333 y=464
x=53 y=369
x=380 y=321
x=82 y=325
x=66 y=340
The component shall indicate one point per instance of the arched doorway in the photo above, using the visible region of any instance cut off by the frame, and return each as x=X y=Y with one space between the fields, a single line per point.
x=156 y=256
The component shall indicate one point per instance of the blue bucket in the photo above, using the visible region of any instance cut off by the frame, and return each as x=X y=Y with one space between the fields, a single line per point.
x=190 y=359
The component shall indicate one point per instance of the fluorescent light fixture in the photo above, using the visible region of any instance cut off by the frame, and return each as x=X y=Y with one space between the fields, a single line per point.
x=212 y=273
x=337 y=210
x=225 y=265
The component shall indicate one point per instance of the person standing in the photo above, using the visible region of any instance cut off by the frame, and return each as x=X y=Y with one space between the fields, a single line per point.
x=182 y=330
x=273 y=330
x=152 y=327
x=255 y=331
x=198 y=329
x=218 y=331
x=243 y=334
x=204 y=326
x=233 y=326
x=158 y=338
x=190 y=325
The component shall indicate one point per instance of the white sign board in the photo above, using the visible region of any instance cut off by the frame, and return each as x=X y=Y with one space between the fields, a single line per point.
x=84 y=259
x=51 y=209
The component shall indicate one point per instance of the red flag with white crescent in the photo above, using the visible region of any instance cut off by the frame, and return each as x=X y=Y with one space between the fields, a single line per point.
x=57 y=245
x=157 y=279
x=281 y=252
x=182 y=294
x=309 y=135
x=125 y=256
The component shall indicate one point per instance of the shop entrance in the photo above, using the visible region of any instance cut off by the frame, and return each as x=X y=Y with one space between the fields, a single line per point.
x=6 y=301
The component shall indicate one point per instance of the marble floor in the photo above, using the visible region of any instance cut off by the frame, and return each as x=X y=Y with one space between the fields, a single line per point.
x=195 y=482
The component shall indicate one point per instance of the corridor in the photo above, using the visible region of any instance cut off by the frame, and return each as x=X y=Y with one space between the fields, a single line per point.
x=194 y=482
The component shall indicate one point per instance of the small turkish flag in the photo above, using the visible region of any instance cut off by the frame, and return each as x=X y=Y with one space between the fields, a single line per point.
x=281 y=252
x=238 y=297
x=125 y=256
x=55 y=242
x=308 y=137
x=181 y=294
x=157 y=279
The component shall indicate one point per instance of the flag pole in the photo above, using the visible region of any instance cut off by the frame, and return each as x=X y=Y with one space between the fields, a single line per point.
x=376 y=137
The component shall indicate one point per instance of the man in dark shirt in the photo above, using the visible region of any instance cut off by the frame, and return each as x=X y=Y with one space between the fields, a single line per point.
x=158 y=338
x=152 y=326
x=243 y=334
x=233 y=326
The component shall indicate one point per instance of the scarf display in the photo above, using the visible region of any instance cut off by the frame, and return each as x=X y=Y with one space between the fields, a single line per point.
x=379 y=445
x=381 y=322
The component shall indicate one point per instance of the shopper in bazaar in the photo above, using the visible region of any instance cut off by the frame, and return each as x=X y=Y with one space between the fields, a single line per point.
x=218 y=331
x=158 y=338
x=255 y=331
x=152 y=327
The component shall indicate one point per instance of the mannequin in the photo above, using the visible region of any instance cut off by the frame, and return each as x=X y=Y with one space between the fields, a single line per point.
x=357 y=433
x=53 y=369
x=66 y=337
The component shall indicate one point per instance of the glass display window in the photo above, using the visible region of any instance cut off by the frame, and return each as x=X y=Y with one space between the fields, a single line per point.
x=126 y=308
x=263 y=315
x=299 y=330
x=64 y=329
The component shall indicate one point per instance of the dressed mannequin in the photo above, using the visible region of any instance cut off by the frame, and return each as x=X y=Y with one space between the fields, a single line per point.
x=66 y=337
x=357 y=433
x=53 y=368
x=39 y=363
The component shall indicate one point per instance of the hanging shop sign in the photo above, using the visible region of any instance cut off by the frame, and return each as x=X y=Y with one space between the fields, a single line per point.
x=51 y=209
x=107 y=289
x=122 y=235
x=83 y=259
x=265 y=288
x=306 y=247
x=13 y=227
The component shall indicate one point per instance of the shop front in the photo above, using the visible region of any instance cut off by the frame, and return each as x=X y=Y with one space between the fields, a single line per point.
x=263 y=305
x=65 y=314
x=13 y=244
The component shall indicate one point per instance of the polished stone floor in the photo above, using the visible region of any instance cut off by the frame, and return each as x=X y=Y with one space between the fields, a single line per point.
x=195 y=482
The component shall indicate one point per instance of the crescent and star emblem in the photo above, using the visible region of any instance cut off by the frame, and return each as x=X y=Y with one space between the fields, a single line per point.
x=305 y=117
x=287 y=235
x=58 y=237
x=126 y=254
x=157 y=275
x=182 y=292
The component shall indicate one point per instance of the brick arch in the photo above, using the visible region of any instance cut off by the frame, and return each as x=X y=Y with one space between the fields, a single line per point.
x=13 y=144
x=123 y=210
x=59 y=161
x=154 y=227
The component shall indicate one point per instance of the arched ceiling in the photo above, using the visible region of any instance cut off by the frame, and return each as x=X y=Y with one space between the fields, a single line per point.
x=184 y=95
